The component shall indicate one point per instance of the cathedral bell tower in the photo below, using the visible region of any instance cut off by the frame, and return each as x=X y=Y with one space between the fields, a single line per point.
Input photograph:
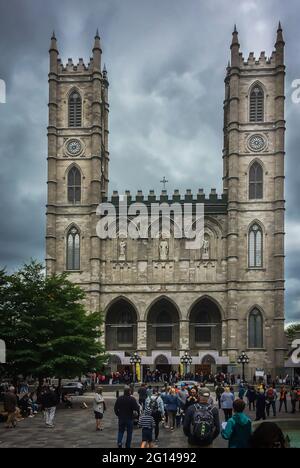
x=254 y=153
x=78 y=161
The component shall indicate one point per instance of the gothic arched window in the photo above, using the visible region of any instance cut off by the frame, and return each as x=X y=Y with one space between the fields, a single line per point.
x=73 y=249
x=75 y=109
x=255 y=329
x=256 y=181
x=255 y=246
x=257 y=104
x=74 y=186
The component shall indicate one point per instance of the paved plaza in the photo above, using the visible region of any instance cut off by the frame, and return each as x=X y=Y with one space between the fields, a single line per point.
x=75 y=428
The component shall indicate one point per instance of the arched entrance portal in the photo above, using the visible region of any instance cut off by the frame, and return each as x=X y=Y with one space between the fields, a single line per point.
x=162 y=364
x=120 y=327
x=163 y=326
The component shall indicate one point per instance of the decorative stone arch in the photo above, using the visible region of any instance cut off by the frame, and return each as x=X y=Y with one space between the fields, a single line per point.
x=73 y=90
x=121 y=297
x=208 y=359
x=113 y=363
x=121 y=325
x=161 y=360
x=163 y=320
x=210 y=298
x=68 y=168
x=159 y=298
x=174 y=228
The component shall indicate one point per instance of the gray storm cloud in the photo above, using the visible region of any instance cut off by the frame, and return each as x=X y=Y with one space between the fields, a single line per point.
x=166 y=62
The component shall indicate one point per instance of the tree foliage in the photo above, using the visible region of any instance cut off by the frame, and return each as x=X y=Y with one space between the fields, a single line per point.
x=45 y=325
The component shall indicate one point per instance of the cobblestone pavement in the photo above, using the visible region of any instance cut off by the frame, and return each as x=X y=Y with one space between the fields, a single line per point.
x=75 y=428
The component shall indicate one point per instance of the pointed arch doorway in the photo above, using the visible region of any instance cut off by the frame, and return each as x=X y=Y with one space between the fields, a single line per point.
x=161 y=363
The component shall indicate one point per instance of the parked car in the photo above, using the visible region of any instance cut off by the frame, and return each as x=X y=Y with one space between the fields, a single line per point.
x=73 y=388
x=187 y=383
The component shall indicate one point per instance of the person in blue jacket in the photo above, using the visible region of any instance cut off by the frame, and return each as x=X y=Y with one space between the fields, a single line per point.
x=238 y=429
x=172 y=404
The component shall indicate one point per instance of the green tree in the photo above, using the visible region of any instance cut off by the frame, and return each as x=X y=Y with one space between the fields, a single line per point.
x=45 y=325
x=292 y=329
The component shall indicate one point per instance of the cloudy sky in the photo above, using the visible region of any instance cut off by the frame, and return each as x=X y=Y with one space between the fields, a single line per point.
x=166 y=61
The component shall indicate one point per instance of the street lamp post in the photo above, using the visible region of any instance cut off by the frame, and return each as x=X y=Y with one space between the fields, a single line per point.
x=186 y=360
x=243 y=359
x=134 y=360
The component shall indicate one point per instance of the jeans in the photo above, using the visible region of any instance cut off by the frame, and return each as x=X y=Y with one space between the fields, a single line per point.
x=268 y=406
x=281 y=403
x=171 y=418
x=49 y=415
x=125 y=426
x=228 y=414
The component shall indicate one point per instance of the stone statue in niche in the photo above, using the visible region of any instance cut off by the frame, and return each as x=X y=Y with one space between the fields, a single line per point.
x=164 y=250
x=205 y=248
x=123 y=247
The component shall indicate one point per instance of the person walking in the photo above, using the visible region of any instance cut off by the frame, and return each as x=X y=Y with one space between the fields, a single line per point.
x=201 y=423
x=49 y=403
x=99 y=407
x=147 y=423
x=238 y=429
x=294 y=399
x=156 y=405
x=10 y=406
x=283 y=399
x=142 y=392
x=251 y=397
x=271 y=397
x=227 y=399
x=219 y=389
x=260 y=405
x=125 y=407
x=172 y=406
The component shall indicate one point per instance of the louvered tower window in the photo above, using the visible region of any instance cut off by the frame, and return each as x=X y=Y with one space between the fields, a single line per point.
x=75 y=109
x=257 y=105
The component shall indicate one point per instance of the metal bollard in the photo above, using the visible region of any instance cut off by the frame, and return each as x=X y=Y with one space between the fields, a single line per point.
x=117 y=393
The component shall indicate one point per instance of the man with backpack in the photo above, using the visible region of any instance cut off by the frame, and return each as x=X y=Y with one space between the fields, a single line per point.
x=201 y=423
x=271 y=397
x=156 y=405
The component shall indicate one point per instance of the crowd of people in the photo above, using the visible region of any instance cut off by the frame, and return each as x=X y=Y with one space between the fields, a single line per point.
x=193 y=409
x=173 y=406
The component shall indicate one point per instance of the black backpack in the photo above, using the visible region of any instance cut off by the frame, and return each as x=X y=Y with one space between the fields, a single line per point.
x=154 y=408
x=203 y=424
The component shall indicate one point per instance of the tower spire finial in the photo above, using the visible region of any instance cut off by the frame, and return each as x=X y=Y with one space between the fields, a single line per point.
x=235 y=36
x=97 y=34
x=279 y=38
x=53 y=44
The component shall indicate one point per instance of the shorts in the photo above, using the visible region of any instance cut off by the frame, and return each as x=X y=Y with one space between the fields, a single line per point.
x=98 y=415
x=147 y=434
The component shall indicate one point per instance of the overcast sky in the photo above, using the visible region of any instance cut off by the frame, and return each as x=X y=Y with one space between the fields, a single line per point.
x=166 y=61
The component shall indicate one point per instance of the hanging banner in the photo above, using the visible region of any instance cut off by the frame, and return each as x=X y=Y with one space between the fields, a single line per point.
x=138 y=372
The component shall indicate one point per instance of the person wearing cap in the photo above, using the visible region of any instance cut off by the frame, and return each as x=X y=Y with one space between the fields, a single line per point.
x=210 y=419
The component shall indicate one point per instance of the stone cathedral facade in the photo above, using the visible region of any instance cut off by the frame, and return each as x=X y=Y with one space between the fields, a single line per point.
x=156 y=297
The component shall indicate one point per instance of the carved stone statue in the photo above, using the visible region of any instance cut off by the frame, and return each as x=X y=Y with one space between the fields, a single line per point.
x=123 y=247
x=164 y=250
x=205 y=249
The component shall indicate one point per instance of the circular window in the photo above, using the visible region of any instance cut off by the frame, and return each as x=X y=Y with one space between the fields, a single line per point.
x=74 y=147
x=256 y=143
